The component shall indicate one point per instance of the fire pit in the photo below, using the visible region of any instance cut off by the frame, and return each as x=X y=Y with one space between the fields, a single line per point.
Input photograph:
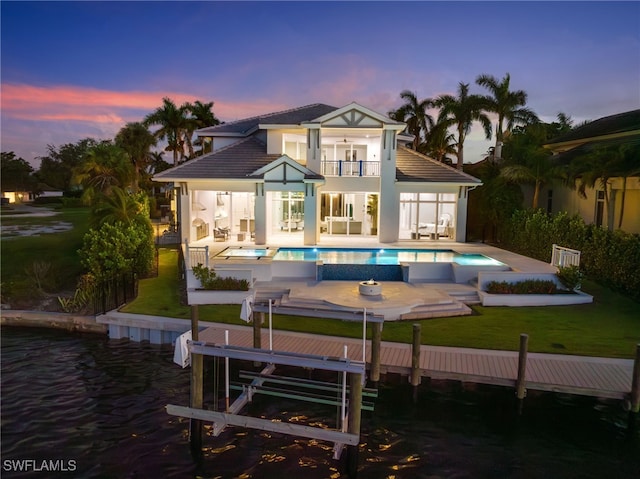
x=370 y=288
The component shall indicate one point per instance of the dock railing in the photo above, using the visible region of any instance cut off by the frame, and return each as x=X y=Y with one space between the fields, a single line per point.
x=563 y=257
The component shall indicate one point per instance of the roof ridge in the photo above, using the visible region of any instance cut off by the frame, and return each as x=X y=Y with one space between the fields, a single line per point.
x=433 y=160
x=267 y=115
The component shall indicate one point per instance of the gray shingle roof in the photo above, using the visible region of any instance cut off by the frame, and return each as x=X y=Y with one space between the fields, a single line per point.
x=233 y=162
x=620 y=123
x=295 y=116
x=413 y=166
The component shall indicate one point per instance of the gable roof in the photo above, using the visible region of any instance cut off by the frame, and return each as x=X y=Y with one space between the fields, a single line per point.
x=412 y=166
x=286 y=162
x=236 y=161
x=295 y=116
x=608 y=126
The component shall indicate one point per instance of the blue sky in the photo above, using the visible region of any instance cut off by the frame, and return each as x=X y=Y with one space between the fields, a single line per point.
x=77 y=69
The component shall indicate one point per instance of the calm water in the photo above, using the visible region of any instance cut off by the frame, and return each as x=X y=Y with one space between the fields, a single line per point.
x=99 y=406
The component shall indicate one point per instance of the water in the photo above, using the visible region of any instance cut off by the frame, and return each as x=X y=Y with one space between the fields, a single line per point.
x=375 y=256
x=99 y=406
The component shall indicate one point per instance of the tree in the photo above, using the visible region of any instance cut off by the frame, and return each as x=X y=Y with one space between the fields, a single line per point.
x=175 y=125
x=462 y=111
x=118 y=206
x=414 y=113
x=599 y=166
x=527 y=162
x=56 y=169
x=439 y=143
x=203 y=117
x=104 y=167
x=16 y=173
x=508 y=105
x=136 y=140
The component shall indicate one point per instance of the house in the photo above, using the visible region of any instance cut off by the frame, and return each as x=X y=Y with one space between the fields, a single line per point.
x=611 y=132
x=317 y=172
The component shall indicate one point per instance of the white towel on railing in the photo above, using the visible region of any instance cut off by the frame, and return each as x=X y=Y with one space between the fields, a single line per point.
x=181 y=354
x=245 y=311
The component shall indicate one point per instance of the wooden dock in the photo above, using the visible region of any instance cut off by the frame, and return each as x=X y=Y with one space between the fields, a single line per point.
x=590 y=376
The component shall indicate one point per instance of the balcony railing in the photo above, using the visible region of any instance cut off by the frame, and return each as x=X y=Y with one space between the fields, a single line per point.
x=351 y=168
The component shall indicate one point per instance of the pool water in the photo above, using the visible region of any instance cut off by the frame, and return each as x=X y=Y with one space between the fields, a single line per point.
x=375 y=256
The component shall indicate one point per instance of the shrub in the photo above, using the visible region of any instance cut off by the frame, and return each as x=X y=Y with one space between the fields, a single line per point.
x=528 y=286
x=609 y=257
x=210 y=280
x=570 y=276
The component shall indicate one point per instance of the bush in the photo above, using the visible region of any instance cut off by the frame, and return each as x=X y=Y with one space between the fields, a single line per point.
x=570 y=276
x=528 y=286
x=609 y=257
x=210 y=280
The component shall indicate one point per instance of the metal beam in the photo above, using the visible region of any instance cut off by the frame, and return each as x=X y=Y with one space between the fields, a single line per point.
x=278 y=357
x=265 y=425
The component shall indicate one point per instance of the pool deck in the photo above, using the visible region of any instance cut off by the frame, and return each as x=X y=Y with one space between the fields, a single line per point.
x=399 y=300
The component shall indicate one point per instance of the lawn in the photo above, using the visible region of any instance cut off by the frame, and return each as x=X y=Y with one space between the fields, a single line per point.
x=609 y=327
x=59 y=249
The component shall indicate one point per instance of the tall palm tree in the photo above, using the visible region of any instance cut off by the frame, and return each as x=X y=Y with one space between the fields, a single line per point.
x=104 y=167
x=136 y=140
x=203 y=117
x=414 y=113
x=508 y=105
x=440 y=142
x=175 y=124
x=462 y=111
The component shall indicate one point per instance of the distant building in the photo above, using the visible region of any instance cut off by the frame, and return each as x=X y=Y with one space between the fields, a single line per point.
x=317 y=171
x=611 y=131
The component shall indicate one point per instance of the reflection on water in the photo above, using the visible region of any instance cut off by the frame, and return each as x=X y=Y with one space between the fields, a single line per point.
x=101 y=404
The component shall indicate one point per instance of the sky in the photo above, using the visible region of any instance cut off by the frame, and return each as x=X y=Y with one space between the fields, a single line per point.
x=72 y=70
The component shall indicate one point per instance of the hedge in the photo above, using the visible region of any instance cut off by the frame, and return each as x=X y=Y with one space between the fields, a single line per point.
x=611 y=258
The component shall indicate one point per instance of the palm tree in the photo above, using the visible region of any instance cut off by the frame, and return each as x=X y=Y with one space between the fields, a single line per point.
x=118 y=206
x=598 y=167
x=104 y=167
x=203 y=117
x=439 y=143
x=527 y=162
x=508 y=105
x=462 y=111
x=414 y=113
x=136 y=140
x=175 y=124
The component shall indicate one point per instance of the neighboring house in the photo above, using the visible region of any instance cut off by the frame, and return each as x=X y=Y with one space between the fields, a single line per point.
x=610 y=131
x=317 y=172
x=18 y=196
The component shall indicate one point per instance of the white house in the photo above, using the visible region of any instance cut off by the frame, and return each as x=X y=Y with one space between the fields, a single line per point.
x=314 y=172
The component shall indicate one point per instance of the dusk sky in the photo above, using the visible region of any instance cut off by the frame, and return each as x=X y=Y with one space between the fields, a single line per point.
x=72 y=70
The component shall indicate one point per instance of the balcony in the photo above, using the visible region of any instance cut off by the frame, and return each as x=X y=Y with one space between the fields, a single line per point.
x=351 y=168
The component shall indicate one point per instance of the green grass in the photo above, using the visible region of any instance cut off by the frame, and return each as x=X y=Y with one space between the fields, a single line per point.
x=59 y=249
x=610 y=327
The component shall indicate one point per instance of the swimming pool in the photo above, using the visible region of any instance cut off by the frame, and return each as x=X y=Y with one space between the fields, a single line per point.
x=372 y=256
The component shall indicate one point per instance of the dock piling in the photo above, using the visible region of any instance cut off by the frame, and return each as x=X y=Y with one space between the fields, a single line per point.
x=521 y=390
x=355 y=415
x=376 y=335
x=196 y=385
x=635 y=383
x=414 y=378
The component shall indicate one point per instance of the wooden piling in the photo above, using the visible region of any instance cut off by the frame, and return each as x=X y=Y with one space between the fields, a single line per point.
x=521 y=390
x=258 y=320
x=355 y=414
x=635 y=384
x=376 y=335
x=414 y=378
x=197 y=384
